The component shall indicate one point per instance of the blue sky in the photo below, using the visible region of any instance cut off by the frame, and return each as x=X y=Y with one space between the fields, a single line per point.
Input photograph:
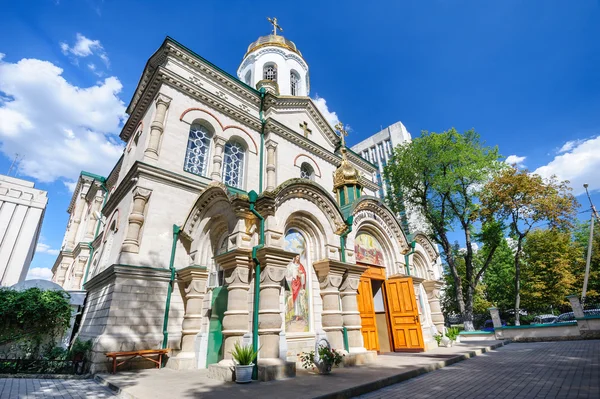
x=524 y=74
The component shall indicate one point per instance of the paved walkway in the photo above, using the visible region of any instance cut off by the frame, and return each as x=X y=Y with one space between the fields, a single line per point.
x=569 y=369
x=28 y=388
x=342 y=382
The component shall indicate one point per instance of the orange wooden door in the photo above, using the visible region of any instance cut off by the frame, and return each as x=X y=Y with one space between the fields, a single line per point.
x=404 y=315
x=367 y=314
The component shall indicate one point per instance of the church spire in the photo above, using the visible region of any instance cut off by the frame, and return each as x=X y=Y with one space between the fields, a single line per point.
x=346 y=177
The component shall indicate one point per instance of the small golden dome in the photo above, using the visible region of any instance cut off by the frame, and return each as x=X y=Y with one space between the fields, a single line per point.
x=273 y=40
x=345 y=174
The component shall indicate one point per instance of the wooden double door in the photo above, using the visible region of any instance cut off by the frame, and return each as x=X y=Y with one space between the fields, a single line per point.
x=401 y=314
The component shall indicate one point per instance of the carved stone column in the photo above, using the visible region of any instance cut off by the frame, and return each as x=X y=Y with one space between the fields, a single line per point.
x=350 y=313
x=271 y=177
x=61 y=274
x=92 y=220
x=331 y=273
x=194 y=280
x=136 y=219
x=75 y=221
x=236 y=265
x=157 y=126
x=218 y=158
x=273 y=262
x=432 y=288
x=78 y=271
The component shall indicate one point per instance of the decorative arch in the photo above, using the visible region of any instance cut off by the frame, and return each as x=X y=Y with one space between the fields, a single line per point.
x=430 y=249
x=376 y=209
x=313 y=192
x=136 y=136
x=200 y=113
x=114 y=220
x=300 y=158
x=420 y=266
x=313 y=230
x=390 y=248
x=214 y=194
x=252 y=148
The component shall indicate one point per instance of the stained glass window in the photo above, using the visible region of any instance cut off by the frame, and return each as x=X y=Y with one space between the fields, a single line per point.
x=270 y=72
x=196 y=156
x=233 y=164
x=307 y=171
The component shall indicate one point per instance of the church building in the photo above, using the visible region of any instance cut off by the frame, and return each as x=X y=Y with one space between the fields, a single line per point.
x=236 y=212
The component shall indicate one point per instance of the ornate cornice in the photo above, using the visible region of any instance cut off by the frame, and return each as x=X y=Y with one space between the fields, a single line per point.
x=382 y=211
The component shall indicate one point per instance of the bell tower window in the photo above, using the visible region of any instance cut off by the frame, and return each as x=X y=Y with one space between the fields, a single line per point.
x=294 y=83
x=270 y=72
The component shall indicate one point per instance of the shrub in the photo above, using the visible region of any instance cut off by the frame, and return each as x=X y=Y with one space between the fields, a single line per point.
x=244 y=355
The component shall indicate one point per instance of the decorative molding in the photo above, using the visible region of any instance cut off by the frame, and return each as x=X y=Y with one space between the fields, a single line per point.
x=382 y=212
x=312 y=159
x=430 y=249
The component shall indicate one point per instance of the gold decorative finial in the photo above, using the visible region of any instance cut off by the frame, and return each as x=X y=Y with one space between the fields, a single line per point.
x=273 y=22
x=343 y=133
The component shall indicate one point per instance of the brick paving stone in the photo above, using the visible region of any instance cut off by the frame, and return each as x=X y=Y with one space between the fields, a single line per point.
x=25 y=388
x=521 y=370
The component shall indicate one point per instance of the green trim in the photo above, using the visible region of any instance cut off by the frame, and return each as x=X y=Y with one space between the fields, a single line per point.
x=475 y=333
x=413 y=244
x=263 y=123
x=176 y=231
x=536 y=326
x=199 y=57
x=343 y=236
x=94 y=176
x=235 y=190
x=252 y=196
x=346 y=342
x=590 y=317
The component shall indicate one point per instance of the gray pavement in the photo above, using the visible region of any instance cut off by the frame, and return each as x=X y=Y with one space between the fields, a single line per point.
x=28 y=388
x=569 y=369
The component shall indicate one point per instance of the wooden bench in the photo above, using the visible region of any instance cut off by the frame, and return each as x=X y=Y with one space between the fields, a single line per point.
x=133 y=354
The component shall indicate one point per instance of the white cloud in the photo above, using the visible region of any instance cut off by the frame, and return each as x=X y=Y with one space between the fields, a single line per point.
x=58 y=128
x=85 y=47
x=579 y=164
x=569 y=145
x=330 y=116
x=39 y=273
x=46 y=249
x=515 y=160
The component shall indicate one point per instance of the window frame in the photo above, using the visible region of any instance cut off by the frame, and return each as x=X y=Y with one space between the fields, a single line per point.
x=209 y=134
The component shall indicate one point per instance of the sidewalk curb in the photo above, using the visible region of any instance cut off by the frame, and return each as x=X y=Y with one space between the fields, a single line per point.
x=115 y=389
x=407 y=375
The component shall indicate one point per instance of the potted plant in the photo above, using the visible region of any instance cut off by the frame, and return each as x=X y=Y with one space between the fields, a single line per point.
x=327 y=358
x=244 y=357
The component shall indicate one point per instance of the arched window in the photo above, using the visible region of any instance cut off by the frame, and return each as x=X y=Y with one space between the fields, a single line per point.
x=307 y=171
x=270 y=72
x=196 y=156
x=294 y=83
x=248 y=78
x=233 y=164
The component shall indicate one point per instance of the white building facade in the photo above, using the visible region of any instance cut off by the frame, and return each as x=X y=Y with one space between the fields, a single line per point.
x=22 y=208
x=220 y=179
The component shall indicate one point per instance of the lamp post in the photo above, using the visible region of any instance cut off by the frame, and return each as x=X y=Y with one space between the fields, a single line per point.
x=589 y=253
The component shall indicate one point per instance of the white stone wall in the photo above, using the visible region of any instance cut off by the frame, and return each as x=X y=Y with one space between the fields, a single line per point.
x=21 y=214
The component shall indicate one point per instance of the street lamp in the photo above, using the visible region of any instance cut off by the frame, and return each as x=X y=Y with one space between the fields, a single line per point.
x=590 y=242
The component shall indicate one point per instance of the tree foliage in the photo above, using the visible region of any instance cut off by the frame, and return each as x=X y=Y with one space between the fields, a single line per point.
x=498 y=278
x=441 y=175
x=525 y=201
x=32 y=315
x=550 y=258
x=582 y=237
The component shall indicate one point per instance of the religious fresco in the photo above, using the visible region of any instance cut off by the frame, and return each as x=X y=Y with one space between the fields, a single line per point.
x=296 y=291
x=368 y=250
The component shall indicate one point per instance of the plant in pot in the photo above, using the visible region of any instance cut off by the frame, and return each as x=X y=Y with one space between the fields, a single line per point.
x=327 y=358
x=244 y=357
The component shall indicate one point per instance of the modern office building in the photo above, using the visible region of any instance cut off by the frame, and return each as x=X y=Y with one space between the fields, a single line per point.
x=378 y=148
x=21 y=214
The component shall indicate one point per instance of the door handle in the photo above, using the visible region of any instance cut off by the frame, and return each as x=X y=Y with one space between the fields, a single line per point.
x=416 y=318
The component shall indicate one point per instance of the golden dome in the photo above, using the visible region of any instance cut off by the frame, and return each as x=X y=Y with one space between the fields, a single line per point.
x=345 y=174
x=273 y=40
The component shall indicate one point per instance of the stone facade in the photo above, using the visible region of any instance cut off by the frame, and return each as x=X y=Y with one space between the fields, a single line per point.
x=205 y=155
x=21 y=214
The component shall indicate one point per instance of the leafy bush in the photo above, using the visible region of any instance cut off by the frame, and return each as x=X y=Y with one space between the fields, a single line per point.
x=328 y=356
x=33 y=317
x=438 y=338
x=452 y=333
x=244 y=355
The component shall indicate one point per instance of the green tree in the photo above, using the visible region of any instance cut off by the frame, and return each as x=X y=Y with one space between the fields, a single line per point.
x=441 y=176
x=526 y=201
x=550 y=258
x=582 y=237
x=498 y=278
